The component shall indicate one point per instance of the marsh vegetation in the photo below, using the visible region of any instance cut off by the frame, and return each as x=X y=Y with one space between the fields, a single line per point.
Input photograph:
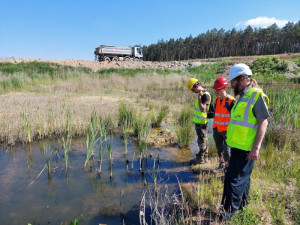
x=97 y=124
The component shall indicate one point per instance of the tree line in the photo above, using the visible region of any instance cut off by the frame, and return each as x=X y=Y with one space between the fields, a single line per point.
x=220 y=43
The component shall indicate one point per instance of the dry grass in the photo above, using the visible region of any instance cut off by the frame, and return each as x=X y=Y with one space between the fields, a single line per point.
x=46 y=106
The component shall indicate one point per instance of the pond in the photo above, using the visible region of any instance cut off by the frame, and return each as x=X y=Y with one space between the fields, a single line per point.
x=29 y=195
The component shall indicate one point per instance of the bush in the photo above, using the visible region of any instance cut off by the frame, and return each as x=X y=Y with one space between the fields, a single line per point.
x=269 y=67
x=207 y=73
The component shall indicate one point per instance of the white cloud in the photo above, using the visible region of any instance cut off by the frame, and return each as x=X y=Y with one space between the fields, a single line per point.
x=262 y=22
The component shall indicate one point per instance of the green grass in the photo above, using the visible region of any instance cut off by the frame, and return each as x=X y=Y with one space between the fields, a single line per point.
x=33 y=69
x=296 y=60
x=133 y=72
x=184 y=127
x=284 y=105
x=207 y=73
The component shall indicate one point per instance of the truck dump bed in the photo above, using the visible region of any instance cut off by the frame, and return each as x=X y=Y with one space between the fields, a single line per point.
x=113 y=50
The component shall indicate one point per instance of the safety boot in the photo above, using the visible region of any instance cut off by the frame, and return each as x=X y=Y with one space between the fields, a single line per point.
x=198 y=160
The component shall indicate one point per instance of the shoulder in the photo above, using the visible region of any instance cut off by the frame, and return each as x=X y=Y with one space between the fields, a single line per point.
x=205 y=98
x=262 y=96
x=230 y=98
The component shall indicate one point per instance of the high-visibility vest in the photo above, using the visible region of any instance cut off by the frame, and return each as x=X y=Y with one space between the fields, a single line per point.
x=242 y=128
x=201 y=117
x=222 y=113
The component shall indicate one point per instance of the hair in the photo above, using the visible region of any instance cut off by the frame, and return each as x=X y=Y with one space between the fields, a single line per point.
x=254 y=83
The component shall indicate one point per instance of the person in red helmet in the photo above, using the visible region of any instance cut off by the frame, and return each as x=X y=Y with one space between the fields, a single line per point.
x=223 y=106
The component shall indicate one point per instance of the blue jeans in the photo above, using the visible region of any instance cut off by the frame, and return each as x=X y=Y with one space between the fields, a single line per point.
x=237 y=183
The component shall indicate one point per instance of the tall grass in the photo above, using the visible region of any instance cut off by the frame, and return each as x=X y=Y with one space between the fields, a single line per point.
x=126 y=115
x=67 y=141
x=142 y=130
x=22 y=75
x=102 y=138
x=27 y=126
x=157 y=120
x=91 y=138
x=48 y=157
x=109 y=149
x=184 y=127
x=284 y=106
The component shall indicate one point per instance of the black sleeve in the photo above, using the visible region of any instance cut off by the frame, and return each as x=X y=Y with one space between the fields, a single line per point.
x=232 y=104
x=205 y=99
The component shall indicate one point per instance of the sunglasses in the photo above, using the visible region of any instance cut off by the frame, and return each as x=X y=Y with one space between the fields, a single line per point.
x=196 y=84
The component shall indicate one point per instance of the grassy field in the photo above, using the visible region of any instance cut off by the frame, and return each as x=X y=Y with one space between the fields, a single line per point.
x=41 y=100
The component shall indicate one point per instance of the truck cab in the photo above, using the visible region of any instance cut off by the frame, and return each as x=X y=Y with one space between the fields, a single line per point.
x=137 y=52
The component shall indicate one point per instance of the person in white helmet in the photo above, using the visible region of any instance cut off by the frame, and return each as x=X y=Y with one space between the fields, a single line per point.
x=245 y=133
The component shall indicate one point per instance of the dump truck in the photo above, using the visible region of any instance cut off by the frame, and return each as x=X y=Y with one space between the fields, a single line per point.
x=117 y=53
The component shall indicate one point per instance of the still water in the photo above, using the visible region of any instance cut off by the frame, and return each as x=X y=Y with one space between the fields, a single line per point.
x=29 y=195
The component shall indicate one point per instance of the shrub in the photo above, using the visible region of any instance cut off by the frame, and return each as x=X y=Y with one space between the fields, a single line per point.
x=269 y=67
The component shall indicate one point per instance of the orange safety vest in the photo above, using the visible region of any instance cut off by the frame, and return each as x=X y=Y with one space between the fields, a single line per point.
x=222 y=113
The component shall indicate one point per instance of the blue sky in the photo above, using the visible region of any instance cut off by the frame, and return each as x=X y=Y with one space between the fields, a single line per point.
x=71 y=29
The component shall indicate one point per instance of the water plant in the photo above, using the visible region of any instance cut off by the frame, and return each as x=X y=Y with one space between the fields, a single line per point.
x=156 y=121
x=66 y=152
x=91 y=137
x=184 y=127
x=126 y=115
x=142 y=130
x=26 y=125
x=109 y=149
x=102 y=138
x=66 y=142
x=48 y=157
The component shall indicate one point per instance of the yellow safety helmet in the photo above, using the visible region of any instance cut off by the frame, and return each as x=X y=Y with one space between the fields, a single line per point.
x=191 y=83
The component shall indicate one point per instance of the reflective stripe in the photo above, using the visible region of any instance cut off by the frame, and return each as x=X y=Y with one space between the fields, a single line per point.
x=198 y=110
x=245 y=124
x=221 y=123
x=250 y=101
x=201 y=118
x=222 y=115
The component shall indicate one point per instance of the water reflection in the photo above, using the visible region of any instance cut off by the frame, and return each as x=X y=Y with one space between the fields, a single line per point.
x=63 y=195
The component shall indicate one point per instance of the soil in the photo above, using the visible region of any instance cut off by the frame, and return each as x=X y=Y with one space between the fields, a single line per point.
x=96 y=66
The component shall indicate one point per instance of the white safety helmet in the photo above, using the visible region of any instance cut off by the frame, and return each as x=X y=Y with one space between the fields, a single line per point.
x=239 y=69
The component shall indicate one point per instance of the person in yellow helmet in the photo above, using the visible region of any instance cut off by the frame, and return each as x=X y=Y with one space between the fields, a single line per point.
x=245 y=133
x=200 y=119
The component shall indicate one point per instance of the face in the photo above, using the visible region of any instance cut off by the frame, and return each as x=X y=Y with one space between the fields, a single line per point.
x=237 y=85
x=196 y=88
x=220 y=92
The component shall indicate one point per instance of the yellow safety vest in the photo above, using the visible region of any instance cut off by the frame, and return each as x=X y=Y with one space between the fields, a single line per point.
x=201 y=117
x=242 y=128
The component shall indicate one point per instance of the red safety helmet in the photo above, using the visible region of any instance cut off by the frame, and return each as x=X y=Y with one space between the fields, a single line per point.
x=220 y=83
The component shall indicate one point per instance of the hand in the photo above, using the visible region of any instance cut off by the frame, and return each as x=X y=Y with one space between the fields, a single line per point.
x=254 y=154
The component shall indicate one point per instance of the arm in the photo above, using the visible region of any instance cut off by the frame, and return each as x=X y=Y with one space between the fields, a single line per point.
x=261 y=130
x=202 y=102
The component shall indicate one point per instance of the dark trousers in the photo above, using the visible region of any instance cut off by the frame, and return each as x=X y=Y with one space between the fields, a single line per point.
x=237 y=182
x=220 y=140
